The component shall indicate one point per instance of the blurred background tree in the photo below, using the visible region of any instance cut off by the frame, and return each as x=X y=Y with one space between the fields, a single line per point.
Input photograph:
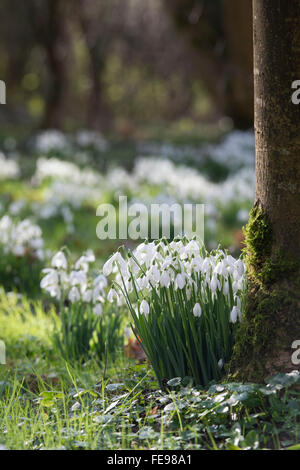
x=119 y=65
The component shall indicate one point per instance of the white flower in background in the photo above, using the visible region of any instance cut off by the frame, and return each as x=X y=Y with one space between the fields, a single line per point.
x=220 y=364
x=51 y=139
x=21 y=238
x=144 y=308
x=9 y=169
x=98 y=309
x=127 y=332
x=74 y=295
x=100 y=282
x=112 y=295
x=87 y=295
x=197 y=311
x=59 y=261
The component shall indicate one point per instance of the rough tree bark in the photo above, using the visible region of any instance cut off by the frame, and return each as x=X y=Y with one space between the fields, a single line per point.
x=272 y=317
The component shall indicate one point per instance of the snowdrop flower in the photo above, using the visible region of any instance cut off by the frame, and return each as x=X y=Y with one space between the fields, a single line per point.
x=144 y=308
x=74 y=295
x=84 y=260
x=235 y=314
x=180 y=281
x=100 y=282
x=112 y=295
x=165 y=279
x=213 y=284
x=197 y=311
x=87 y=295
x=59 y=261
x=98 y=309
x=116 y=258
x=51 y=278
x=77 y=277
x=226 y=287
x=220 y=364
x=54 y=291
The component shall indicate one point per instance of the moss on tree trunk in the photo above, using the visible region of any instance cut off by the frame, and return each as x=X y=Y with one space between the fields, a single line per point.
x=272 y=238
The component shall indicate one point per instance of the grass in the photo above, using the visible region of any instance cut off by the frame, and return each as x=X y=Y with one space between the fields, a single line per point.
x=46 y=403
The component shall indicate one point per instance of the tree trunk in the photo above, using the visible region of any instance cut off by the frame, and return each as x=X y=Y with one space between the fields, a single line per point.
x=97 y=43
x=56 y=43
x=272 y=317
x=221 y=33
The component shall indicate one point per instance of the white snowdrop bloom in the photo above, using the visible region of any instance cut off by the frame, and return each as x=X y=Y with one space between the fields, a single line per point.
x=100 y=281
x=98 y=309
x=84 y=260
x=154 y=274
x=226 y=287
x=197 y=311
x=206 y=266
x=144 y=308
x=74 y=295
x=220 y=364
x=213 y=284
x=50 y=279
x=235 y=314
x=165 y=279
x=112 y=295
x=235 y=286
x=54 y=291
x=116 y=258
x=238 y=302
x=180 y=281
x=87 y=295
x=59 y=261
x=98 y=295
x=78 y=277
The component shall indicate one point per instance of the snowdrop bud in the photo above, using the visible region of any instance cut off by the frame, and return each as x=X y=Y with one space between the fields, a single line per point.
x=197 y=310
x=144 y=308
x=98 y=310
x=59 y=261
x=220 y=364
x=74 y=295
x=235 y=314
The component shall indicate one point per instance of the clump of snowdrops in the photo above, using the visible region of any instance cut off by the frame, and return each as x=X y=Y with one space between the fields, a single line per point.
x=22 y=255
x=185 y=304
x=88 y=325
